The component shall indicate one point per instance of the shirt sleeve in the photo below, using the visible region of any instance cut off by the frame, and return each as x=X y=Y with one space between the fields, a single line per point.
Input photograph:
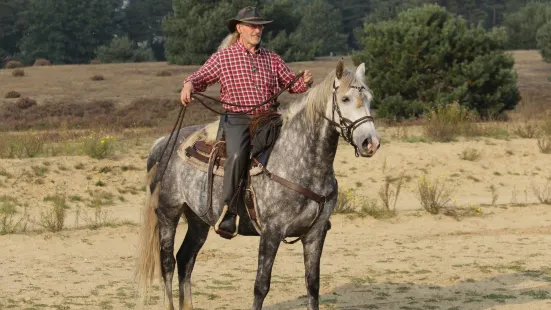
x=208 y=74
x=285 y=75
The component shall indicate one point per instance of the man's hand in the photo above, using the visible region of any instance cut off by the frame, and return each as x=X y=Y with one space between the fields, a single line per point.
x=185 y=95
x=308 y=77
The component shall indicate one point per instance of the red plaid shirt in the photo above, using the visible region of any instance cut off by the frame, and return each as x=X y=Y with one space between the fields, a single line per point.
x=245 y=79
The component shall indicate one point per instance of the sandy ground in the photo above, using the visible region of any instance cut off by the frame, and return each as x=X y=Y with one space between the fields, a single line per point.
x=496 y=260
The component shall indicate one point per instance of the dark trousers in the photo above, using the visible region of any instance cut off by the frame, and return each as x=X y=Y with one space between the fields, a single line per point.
x=238 y=140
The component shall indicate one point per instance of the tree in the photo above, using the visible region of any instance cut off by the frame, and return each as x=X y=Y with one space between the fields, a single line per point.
x=195 y=29
x=543 y=37
x=523 y=25
x=353 y=14
x=13 y=23
x=142 y=22
x=429 y=57
x=68 y=31
x=321 y=28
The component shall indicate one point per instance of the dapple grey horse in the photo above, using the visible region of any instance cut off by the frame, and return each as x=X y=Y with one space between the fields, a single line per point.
x=303 y=154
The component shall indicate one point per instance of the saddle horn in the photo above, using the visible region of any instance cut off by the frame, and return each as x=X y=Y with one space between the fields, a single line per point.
x=340 y=69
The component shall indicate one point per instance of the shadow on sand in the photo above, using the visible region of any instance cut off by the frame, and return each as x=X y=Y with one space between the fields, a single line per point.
x=507 y=289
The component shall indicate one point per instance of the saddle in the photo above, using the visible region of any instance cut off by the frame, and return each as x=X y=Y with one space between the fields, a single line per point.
x=209 y=155
x=206 y=150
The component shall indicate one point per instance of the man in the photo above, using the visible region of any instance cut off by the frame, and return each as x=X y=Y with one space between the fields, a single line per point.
x=248 y=75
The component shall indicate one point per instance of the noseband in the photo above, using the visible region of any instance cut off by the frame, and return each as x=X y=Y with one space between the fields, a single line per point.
x=345 y=125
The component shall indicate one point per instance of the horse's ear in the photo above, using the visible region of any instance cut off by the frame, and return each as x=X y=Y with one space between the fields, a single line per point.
x=340 y=69
x=360 y=72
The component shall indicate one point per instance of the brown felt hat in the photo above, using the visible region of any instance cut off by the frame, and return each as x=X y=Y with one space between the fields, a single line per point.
x=249 y=15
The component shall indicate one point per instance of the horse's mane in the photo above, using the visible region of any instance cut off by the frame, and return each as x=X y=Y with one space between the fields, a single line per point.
x=315 y=102
x=229 y=40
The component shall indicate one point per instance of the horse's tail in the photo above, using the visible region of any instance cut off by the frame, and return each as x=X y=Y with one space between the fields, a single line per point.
x=148 y=266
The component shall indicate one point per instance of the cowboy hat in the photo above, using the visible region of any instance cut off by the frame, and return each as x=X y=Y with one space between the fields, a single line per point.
x=249 y=15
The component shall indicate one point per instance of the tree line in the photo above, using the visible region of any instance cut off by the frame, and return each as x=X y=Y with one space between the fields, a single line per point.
x=187 y=31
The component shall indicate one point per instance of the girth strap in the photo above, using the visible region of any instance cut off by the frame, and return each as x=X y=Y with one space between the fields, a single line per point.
x=321 y=200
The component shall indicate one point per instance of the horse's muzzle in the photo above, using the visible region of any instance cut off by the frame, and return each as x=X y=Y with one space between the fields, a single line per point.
x=369 y=147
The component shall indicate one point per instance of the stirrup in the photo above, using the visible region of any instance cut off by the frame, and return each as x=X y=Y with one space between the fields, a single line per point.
x=223 y=233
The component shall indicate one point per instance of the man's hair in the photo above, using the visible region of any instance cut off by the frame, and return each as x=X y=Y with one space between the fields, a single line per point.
x=229 y=40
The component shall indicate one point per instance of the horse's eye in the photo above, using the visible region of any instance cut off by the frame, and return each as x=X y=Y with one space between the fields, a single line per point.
x=345 y=99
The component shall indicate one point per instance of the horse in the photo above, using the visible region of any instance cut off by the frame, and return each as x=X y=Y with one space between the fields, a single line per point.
x=304 y=154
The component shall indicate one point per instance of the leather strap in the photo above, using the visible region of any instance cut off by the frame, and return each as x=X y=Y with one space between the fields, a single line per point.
x=297 y=188
x=206 y=148
x=191 y=152
x=210 y=174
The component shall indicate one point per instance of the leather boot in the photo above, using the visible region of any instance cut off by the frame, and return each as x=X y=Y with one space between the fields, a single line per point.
x=228 y=224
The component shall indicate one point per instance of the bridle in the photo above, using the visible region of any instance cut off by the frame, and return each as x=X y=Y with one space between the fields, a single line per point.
x=345 y=125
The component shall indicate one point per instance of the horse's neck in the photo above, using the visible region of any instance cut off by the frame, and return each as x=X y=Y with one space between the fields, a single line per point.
x=304 y=150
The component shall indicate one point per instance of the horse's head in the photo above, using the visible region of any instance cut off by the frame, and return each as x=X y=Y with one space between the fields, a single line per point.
x=349 y=110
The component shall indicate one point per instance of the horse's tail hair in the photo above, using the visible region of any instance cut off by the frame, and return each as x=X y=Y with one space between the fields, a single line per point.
x=148 y=265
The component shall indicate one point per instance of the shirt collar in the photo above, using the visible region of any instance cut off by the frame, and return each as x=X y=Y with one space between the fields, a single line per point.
x=260 y=49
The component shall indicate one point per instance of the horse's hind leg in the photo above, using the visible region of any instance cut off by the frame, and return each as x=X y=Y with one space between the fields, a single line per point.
x=196 y=236
x=312 y=245
x=168 y=220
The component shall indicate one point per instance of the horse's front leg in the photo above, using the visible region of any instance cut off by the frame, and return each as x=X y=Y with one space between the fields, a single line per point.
x=269 y=244
x=312 y=245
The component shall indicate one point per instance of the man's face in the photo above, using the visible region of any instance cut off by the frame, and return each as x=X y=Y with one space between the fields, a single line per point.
x=250 y=34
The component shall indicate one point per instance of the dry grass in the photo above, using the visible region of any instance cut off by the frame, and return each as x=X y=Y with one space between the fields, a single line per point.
x=11 y=220
x=53 y=219
x=164 y=73
x=434 y=195
x=543 y=194
x=470 y=154
x=544 y=144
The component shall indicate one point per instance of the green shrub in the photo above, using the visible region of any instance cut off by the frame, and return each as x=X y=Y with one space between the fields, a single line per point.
x=99 y=147
x=429 y=57
x=543 y=38
x=142 y=54
x=121 y=49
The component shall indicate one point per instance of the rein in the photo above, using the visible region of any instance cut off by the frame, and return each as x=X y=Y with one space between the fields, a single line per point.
x=265 y=102
x=183 y=109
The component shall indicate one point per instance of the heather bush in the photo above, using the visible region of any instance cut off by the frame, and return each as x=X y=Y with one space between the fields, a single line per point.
x=18 y=72
x=12 y=94
x=97 y=77
x=12 y=64
x=42 y=62
x=25 y=103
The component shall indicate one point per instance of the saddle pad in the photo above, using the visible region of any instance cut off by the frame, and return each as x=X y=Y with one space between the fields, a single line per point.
x=204 y=134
